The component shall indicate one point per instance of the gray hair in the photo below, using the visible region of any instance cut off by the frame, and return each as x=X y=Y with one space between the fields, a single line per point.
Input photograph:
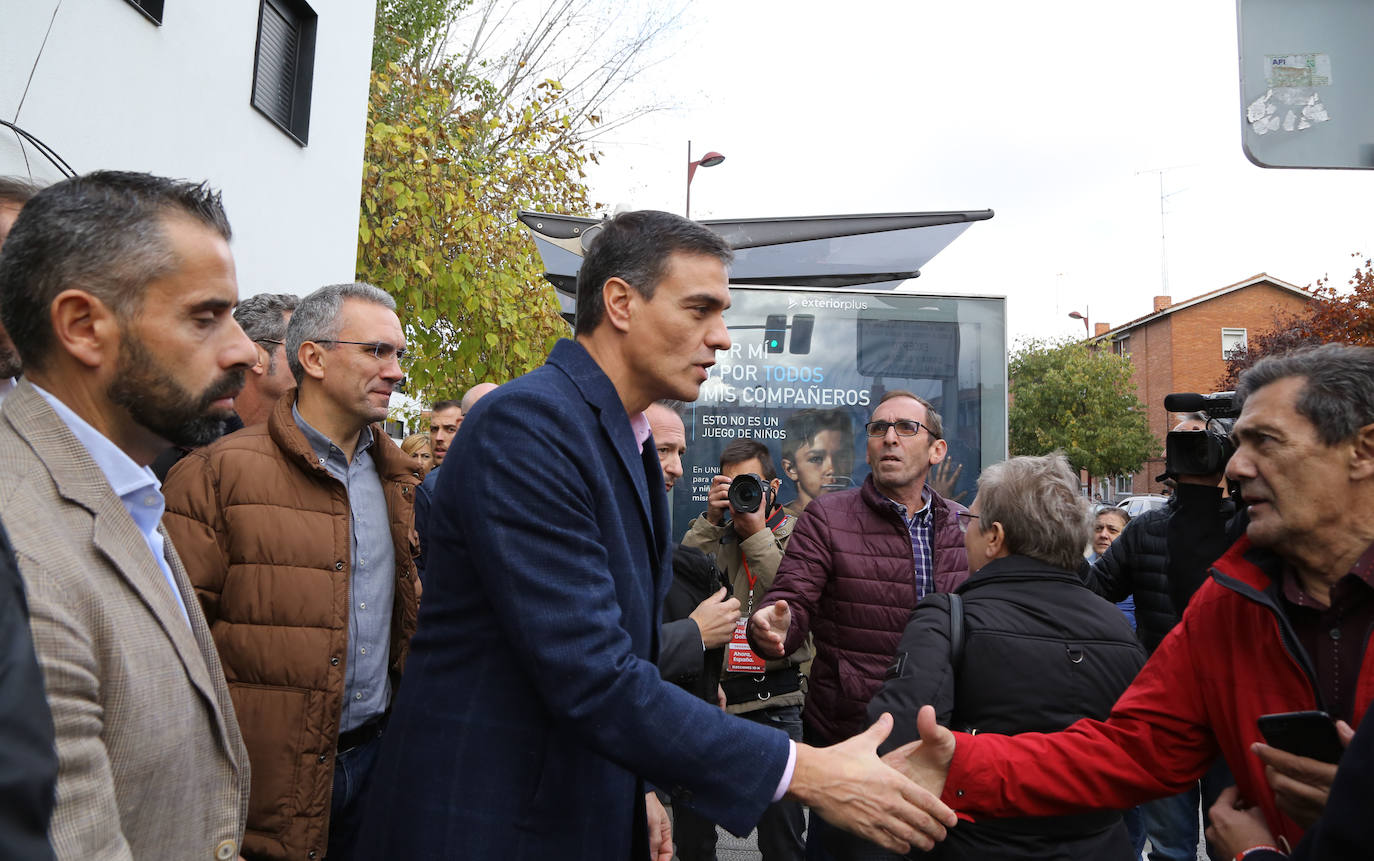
x=103 y=233
x=1338 y=398
x=318 y=317
x=1037 y=502
x=263 y=318
x=17 y=191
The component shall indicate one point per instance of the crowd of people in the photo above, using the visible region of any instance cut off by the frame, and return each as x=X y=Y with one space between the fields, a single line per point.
x=241 y=621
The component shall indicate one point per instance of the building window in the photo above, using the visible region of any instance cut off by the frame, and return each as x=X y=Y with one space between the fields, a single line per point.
x=284 y=66
x=1233 y=343
x=151 y=9
x=1122 y=345
x=1125 y=484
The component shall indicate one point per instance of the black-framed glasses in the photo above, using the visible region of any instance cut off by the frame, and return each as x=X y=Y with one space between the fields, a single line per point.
x=380 y=349
x=905 y=427
x=273 y=341
x=964 y=518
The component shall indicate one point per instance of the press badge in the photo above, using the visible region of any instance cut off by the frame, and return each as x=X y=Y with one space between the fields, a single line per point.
x=739 y=658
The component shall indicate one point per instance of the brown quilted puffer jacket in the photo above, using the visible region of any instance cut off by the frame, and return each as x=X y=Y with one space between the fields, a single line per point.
x=264 y=532
x=849 y=579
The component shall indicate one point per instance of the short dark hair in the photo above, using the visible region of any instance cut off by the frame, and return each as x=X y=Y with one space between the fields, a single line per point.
x=445 y=405
x=742 y=449
x=101 y=232
x=933 y=422
x=17 y=190
x=802 y=426
x=635 y=247
x=1338 y=398
x=319 y=317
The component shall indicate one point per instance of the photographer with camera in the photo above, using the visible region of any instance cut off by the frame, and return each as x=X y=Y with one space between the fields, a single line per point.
x=1161 y=558
x=746 y=531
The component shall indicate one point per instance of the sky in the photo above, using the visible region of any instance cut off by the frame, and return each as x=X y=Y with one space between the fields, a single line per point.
x=1059 y=116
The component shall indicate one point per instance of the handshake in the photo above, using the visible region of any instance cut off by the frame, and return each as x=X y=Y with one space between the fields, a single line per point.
x=893 y=801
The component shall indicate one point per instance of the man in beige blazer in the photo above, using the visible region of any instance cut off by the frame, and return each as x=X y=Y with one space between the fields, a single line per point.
x=118 y=290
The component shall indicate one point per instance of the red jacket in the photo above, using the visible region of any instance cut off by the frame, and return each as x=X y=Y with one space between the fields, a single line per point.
x=849 y=578
x=1232 y=658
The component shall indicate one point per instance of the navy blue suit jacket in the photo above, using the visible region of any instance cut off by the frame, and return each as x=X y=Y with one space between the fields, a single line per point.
x=531 y=712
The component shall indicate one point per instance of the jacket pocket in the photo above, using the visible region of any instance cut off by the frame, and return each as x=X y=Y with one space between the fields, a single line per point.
x=272 y=720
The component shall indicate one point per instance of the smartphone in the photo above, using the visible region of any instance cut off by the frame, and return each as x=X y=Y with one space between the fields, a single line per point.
x=1310 y=734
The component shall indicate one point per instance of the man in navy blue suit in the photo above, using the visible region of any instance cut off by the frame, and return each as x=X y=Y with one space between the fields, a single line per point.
x=532 y=714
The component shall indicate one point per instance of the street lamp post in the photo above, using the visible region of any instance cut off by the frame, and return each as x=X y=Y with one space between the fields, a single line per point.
x=1074 y=315
x=711 y=159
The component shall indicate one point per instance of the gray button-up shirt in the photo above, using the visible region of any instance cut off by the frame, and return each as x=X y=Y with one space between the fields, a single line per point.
x=372 y=576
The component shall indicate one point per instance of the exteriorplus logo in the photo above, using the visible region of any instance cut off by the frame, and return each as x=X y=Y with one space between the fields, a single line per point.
x=834 y=304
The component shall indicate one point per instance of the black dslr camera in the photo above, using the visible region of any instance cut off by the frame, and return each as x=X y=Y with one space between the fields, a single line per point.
x=1200 y=452
x=749 y=492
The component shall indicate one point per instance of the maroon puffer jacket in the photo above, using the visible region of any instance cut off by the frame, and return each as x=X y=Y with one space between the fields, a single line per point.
x=849 y=578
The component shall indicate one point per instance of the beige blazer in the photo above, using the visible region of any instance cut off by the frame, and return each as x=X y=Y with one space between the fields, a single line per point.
x=151 y=763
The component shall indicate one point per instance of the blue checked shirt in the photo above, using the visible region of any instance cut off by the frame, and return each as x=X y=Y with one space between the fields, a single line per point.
x=918 y=525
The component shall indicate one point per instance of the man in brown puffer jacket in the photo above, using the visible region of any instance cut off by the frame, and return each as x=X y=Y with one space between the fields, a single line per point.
x=298 y=535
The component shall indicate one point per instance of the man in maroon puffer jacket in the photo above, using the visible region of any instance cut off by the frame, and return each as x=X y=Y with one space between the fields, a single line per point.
x=859 y=562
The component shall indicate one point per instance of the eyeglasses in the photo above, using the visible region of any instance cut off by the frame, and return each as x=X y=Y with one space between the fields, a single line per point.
x=273 y=341
x=379 y=349
x=964 y=519
x=905 y=427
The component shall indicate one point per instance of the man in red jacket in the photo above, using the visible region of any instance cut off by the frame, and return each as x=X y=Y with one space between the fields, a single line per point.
x=1281 y=626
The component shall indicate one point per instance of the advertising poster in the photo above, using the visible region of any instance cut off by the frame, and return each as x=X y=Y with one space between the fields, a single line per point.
x=806 y=368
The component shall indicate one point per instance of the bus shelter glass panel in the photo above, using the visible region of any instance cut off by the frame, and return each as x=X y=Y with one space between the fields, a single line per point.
x=806 y=369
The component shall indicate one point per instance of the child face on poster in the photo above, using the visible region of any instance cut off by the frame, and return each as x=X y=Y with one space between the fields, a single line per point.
x=820 y=464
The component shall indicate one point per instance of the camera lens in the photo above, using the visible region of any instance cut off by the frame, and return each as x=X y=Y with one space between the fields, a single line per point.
x=746 y=493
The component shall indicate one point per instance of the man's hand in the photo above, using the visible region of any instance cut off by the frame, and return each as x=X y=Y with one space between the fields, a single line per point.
x=720 y=697
x=926 y=761
x=1300 y=784
x=660 y=829
x=748 y=523
x=943 y=476
x=768 y=629
x=718 y=500
x=716 y=618
x=1236 y=825
x=851 y=788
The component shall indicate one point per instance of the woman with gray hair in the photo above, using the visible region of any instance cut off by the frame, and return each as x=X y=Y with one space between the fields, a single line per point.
x=1022 y=646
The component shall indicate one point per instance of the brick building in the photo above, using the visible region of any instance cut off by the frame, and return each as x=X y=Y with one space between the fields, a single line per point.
x=1182 y=347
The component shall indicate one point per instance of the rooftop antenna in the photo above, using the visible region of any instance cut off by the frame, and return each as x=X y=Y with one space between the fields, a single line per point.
x=1163 y=239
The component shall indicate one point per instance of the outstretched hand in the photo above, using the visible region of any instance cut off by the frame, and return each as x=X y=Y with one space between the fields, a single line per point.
x=925 y=761
x=768 y=629
x=850 y=787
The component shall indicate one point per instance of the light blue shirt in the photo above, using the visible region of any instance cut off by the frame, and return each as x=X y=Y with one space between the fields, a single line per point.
x=371 y=575
x=135 y=485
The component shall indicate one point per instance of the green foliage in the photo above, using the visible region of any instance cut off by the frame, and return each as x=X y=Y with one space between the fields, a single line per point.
x=1082 y=402
x=447 y=166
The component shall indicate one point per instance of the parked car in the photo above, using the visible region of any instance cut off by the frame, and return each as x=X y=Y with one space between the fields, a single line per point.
x=1137 y=505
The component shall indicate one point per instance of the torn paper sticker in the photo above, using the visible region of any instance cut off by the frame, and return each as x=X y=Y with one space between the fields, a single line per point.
x=1297 y=70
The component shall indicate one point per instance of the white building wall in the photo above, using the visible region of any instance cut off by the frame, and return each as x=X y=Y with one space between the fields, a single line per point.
x=113 y=90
